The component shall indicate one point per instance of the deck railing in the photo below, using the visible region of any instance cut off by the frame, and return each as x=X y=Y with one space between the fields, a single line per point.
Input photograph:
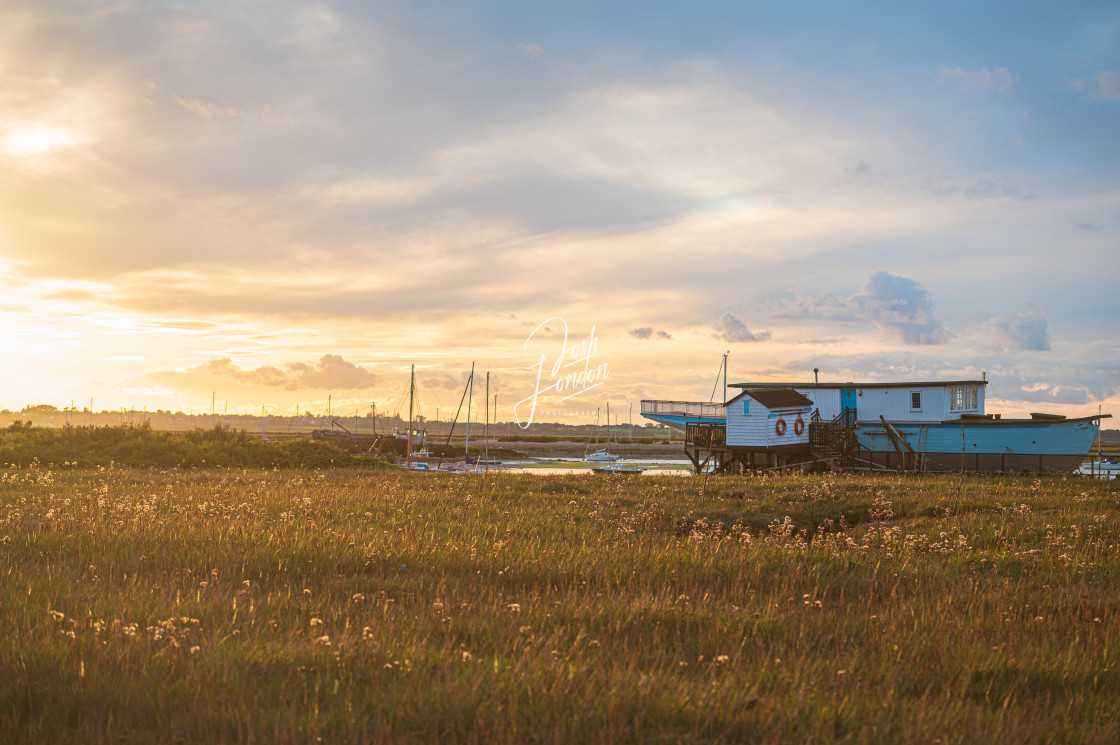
x=711 y=436
x=685 y=408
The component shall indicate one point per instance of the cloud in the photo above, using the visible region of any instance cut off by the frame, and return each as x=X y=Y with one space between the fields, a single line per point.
x=532 y=49
x=1108 y=83
x=731 y=329
x=1016 y=331
x=544 y=200
x=1105 y=86
x=980 y=189
x=981 y=80
x=898 y=305
x=647 y=332
x=211 y=110
x=331 y=372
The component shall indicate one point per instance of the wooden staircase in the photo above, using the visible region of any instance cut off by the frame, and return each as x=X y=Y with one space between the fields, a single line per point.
x=835 y=442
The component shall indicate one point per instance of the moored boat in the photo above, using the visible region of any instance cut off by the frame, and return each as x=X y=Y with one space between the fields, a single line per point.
x=935 y=426
x=617 y=469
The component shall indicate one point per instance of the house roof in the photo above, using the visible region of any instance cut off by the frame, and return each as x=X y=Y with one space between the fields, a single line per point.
x=776 y=398
x=831 y=386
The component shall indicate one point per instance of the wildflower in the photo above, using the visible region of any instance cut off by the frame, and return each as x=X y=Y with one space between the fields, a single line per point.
x=323 y=641
x=467 y=657
x=722 y=659
x=514 y=607
x=316 y=622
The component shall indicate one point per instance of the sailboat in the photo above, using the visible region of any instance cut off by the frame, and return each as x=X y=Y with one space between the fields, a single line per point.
x=468 y=464
x=609 y=460
x=415 y=461
x=602 y=455
x=484 y=459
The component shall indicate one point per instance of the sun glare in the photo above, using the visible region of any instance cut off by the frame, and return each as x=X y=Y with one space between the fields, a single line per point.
x=37 y=140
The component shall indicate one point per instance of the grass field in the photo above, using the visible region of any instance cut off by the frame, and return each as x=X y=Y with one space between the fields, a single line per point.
x=348 y=606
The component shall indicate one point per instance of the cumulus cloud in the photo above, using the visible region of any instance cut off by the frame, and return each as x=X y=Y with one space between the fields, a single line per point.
x=331 y=372
x=647 y=332
x=731 y=329
x=898 y=305
x=1016 y=331
x=981 y=80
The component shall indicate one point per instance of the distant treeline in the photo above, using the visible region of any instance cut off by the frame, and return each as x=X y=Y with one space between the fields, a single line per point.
x=44 y=415
x=144 y=447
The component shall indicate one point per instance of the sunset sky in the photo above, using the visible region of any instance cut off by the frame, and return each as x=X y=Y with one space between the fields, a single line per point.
x=273 y=203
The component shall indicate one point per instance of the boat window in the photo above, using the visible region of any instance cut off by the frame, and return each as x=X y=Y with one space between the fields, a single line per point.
x=915 y=400
x=962 y=398
x=746 y=407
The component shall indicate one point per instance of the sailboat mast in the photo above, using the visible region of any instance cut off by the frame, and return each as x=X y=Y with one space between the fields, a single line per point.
x=725 y=375
x=470 y=394
x=408 y=434
x=486 y=432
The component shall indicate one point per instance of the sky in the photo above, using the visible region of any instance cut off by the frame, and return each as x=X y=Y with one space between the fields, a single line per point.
x=262 y=205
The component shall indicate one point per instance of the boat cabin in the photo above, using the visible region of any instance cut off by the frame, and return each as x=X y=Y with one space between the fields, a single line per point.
x=921 y=402
x=769 y=419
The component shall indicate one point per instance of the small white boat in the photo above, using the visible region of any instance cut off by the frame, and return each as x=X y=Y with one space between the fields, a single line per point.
x=617 y=470
x=602 y=455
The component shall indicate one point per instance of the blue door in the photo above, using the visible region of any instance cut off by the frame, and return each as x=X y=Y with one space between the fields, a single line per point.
x=848 y=401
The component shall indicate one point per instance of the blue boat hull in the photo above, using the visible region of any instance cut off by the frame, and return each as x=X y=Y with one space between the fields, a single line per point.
x=1009 y=446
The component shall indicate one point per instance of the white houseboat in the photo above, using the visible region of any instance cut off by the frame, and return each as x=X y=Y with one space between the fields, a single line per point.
x=925 y=426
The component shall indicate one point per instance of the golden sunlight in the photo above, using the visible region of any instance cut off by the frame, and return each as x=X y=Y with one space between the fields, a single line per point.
x=27 y=142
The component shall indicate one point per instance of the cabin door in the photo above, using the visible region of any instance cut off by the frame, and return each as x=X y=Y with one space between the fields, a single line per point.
x=848 y=400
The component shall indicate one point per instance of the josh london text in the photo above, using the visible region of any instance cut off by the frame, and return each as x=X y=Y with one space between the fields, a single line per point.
x=570 y=375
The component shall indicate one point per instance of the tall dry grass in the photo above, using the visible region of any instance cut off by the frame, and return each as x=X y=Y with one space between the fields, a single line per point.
x=301 y=606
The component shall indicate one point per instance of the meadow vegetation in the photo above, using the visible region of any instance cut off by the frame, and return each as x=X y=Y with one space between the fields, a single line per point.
x=142 y=446
x=350 y=606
